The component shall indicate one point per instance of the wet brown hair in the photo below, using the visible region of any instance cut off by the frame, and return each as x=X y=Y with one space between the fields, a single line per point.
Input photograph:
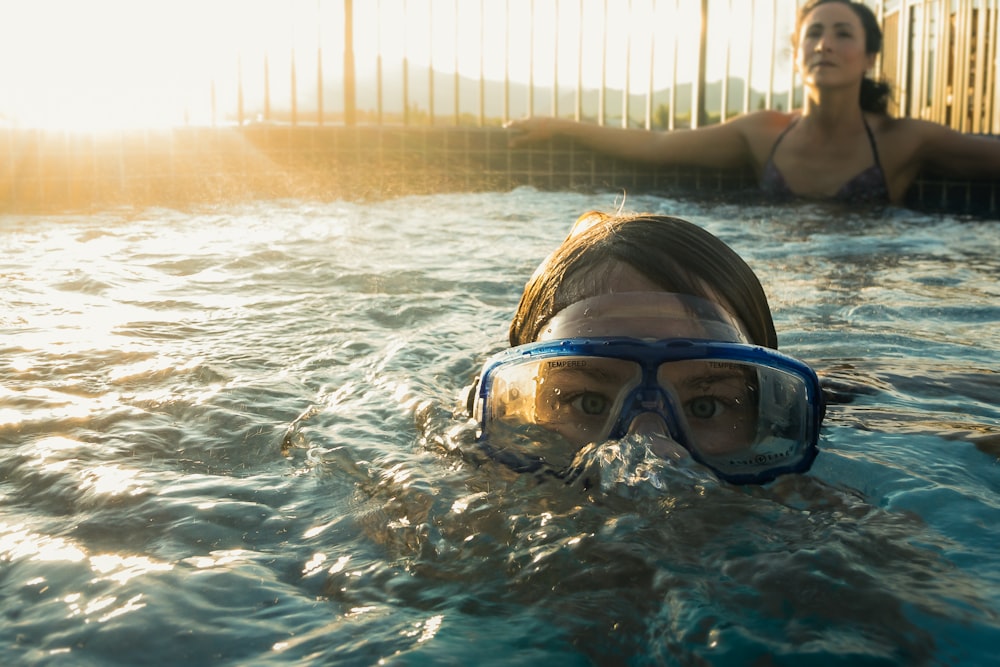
x=674 y=254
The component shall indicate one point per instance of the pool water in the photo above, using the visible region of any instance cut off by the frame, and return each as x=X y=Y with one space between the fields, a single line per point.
x=234 y=436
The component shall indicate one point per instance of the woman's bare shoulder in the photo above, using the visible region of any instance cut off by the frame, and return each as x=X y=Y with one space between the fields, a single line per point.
x=767 y=120
x=923 y=143
x=915 y=130
x=924 y=135
x=760 y=129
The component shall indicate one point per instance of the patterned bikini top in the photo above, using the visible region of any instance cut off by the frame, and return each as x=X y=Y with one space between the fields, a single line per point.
x=868 y=187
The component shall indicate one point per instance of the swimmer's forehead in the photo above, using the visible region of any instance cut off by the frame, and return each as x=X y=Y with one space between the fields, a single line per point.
x=654 y=315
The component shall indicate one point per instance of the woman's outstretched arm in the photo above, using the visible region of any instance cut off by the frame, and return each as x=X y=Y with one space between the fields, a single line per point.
x=957 y=154
x=726 y=145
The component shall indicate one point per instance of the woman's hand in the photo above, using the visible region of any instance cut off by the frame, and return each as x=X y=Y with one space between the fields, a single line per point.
x=530 y=130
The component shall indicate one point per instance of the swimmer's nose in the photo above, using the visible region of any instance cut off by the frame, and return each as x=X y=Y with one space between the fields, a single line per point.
x=649 y=423
x=652 y=426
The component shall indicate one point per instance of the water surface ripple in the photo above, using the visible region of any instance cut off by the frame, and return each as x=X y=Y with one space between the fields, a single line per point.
x=234 y=437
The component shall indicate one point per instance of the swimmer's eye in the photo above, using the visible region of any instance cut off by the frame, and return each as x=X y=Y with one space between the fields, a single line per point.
x=704 y=407
x=590 y=403
x=710 y=406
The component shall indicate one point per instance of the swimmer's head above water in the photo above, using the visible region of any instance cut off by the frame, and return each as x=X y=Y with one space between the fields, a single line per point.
x=649 y=326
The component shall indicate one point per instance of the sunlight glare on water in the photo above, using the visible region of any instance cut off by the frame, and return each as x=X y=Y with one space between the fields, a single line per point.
x=236 y=435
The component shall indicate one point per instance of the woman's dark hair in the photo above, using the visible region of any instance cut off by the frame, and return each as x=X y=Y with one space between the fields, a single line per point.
x=676 y=255
x=874 y=94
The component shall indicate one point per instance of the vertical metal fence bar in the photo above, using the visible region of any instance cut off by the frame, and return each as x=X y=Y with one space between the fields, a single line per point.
x=992 y=57
x=926 y=78
x=974 y=80
x=506 y=63
x=964 y=57
x=748 y=72
x=993 y=70
x=724 y=103
x=555 y=61
x=960 y=84
x=940 y=74
x=430 y=62
x=888 y=62
x=379 y=83
x=950 y=75
x=931 y=57
x=955 y=83
x=978 y=64
x=955 y=39
x=604 y=70
x=937 y=69
x=698 y=83
x=968 y=63
x=456 y=86
x=987 y=39
x=650 y=84
x=531 y=58
x=769 y=95
x=880 y=17
x=482 y=64
x=909 y=62
x=578 y=96
x=628 y=67
x=990 y=61
x=672 y=115
x=319 y=68
x=983 y=43
x=406 y=64
x=793 y=69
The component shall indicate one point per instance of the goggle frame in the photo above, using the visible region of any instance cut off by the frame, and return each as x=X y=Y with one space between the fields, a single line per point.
x=649 y=355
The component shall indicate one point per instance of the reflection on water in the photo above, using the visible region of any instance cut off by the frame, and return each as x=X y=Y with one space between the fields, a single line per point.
x=235 y=436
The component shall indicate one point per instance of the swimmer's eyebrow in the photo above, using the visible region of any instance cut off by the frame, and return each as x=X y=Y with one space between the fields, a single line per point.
x=716 y=376
x=600 y=374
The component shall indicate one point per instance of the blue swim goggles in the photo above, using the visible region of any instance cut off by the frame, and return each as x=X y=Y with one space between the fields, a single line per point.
x=746 y=412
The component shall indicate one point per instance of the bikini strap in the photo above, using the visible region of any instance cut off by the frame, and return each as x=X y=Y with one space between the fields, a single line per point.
x=871 y=141
x=774 y=147
x=878 y=162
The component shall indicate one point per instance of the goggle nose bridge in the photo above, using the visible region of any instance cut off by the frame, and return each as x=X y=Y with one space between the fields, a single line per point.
x=650 y=398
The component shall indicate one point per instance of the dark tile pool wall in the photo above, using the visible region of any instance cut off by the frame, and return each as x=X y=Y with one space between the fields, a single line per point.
x=47 y=171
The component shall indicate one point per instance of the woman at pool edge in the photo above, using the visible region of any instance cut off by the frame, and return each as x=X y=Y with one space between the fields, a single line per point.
x=842 y=145
x=649 y=325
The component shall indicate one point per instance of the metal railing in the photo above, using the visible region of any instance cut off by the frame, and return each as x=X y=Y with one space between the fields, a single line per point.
x=612 y=61
x=944 y=62
x=650 y=63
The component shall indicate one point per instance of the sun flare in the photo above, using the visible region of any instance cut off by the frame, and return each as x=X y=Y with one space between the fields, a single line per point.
x=108 y=64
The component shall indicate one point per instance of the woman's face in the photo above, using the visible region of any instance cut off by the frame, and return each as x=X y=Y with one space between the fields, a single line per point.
x=831 y=49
